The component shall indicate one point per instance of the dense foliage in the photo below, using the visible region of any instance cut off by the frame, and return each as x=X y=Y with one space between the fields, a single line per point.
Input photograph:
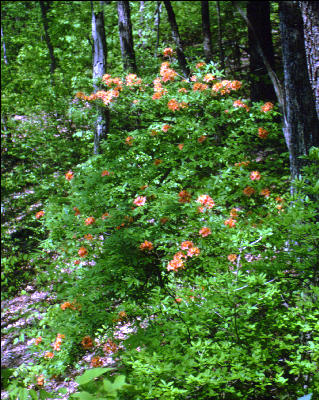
x=184 y=229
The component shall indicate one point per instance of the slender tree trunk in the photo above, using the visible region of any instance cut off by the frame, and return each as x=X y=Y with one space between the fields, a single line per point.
x=220 y=38
x=258 y=13
x=207 y=41
x=175 y=34
x=310 y=16
x=157 y=25
x=4 y=47
x=99 y=69
x=302 y=125
x=44 y=10
x=126 y=37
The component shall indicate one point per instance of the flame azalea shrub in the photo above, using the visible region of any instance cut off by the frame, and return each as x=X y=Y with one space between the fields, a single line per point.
x=241 y=328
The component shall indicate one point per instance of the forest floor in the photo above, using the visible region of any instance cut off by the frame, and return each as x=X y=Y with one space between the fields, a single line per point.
x=25 y=311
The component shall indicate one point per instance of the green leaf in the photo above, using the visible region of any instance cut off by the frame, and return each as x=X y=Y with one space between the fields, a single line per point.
x=84 y=396
x=91 y=374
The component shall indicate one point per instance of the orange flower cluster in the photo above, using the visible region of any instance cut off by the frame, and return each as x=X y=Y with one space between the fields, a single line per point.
x=176 y=263
x=262 y=133
x=105 y=215
x=174 y=105
x=157 y=161
x=40 y=380
x=165 y=128
x=193 y=78
x=105 y=173
x=242 y=164
x=255 y=176
x=106 y=96
x=67 y=304
x=69 y=175
x=168 y=52
x=230 y=222
x=182 y=90
x=232 y=257
x=76 y=211
x=87 y=342
x=89 y=221
x=129 y=140
x=234 y=212
x=82 y=252
x=225 y=86
x=180 y=146
x=38 y=340
x=200 y=65
x=205 y=231
x=140 y=201
x=202 y=139
x=248 y=191
x=184 y=197
x=88 y=236
x=239 y=103
x=158 y=89
x=209 y=78
x=167 y=74
x=133 y=80
x=199 y=87
x=116 y=83
x=109 y=347
x=49 y=355
x=206 y=201
x=267 y=107
x=39 y=214
x=265 y=192
x=146 y=246
x=96 y=362
x=58 y=342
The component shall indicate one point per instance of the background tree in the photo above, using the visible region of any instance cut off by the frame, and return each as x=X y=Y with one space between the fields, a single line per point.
x=258 y=13
x=126 y=37
x=99 y=69
x=176 y=37
x=220 y=37
x=207 y=41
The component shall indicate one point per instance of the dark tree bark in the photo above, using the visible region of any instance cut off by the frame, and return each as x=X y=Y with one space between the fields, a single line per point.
x=220 y=38
x=175 y=34
x=258 y=13
x=310 y=16
x=301 y=129
x=207 y=41
x=126 y=37
x=44 y=10
x=99 y=69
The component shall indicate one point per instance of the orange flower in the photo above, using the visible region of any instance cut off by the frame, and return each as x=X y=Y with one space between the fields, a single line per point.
x=199 y=87
x=77 y=262
x=105 y=215
x=232 y=257
x=129 y=140
x=164 y=220
x=65 y=305
x=200 y=65
x=146 y=245
x=178 y=300
x=230 y=222
x=267 y=107
x=140 y=201
x=180 y=146
x=39 y=214
x=167 y=73
x=89 y=221
x=186 y=245
x=279 y=199
x=235 y=85
x=158 y=162
x=88 y=236
x=265 y=192
x=193 y=251
x=76 y=211
x=40 y=380
x=165 y=128
x=233 y=212
x=202 y=139
x=87 y=342
x=109 y=347
x=173 y=105
x=242 y=164
x=82 y=252
x=193 y=78
x=96 y=362
x=248 y=191
x=209 y=78
x=184 y=197
x=262 y=133
x=255 y=176
x=175 y=264
x=105 y=173
x=182 y=90
x=48 y=354
x=38 y=340
x=239 y=103
x=133 y=80
x=168 y=52
x=69 y=175
x=122 y=315
x=206 y=201
x=205 y=231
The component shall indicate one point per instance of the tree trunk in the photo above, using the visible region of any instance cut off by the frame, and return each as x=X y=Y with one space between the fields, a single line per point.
x=258 y=13
x=220 y=38
x=44 y=9
x=4 y=48
x=157 y=25
x=310 y=16
x=207 y=41
x=126 y=37
x=175 y=34
x=99 y=69
x=302 y=126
